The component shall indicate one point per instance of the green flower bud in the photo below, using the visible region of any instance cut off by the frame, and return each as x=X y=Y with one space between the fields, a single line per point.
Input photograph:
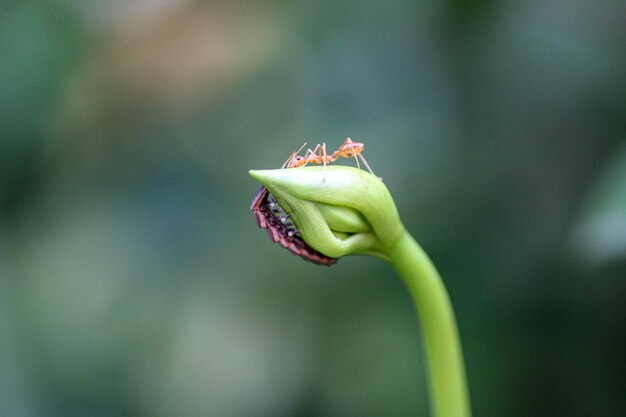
x=343 y=211
x=339 y=212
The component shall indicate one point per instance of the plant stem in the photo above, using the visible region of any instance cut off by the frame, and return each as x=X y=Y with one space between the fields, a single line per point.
x=446 y=372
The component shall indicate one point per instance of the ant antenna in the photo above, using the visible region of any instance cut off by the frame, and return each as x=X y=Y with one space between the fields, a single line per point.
x=293 y=155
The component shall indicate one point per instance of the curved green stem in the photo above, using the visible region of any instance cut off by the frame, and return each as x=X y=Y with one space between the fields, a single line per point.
x=446 y=372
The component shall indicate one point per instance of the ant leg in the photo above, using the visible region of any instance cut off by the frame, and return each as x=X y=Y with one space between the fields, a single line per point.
x=324 y=157
x=315 y=150
x=360 y=171
x=311 y=155
x=306 y=158
x=367 y=166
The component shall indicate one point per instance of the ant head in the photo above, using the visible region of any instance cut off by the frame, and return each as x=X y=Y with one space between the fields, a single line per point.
x=295 y=161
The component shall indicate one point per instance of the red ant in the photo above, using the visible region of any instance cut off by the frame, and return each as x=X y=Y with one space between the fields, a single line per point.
x=348 y=149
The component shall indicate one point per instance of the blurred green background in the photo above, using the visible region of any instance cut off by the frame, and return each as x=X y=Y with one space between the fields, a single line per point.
x=135 y=282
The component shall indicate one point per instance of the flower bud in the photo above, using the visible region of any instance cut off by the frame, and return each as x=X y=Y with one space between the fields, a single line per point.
x=339 y=212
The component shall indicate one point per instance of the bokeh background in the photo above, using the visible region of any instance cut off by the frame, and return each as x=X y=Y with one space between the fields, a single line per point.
x=134 y=281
